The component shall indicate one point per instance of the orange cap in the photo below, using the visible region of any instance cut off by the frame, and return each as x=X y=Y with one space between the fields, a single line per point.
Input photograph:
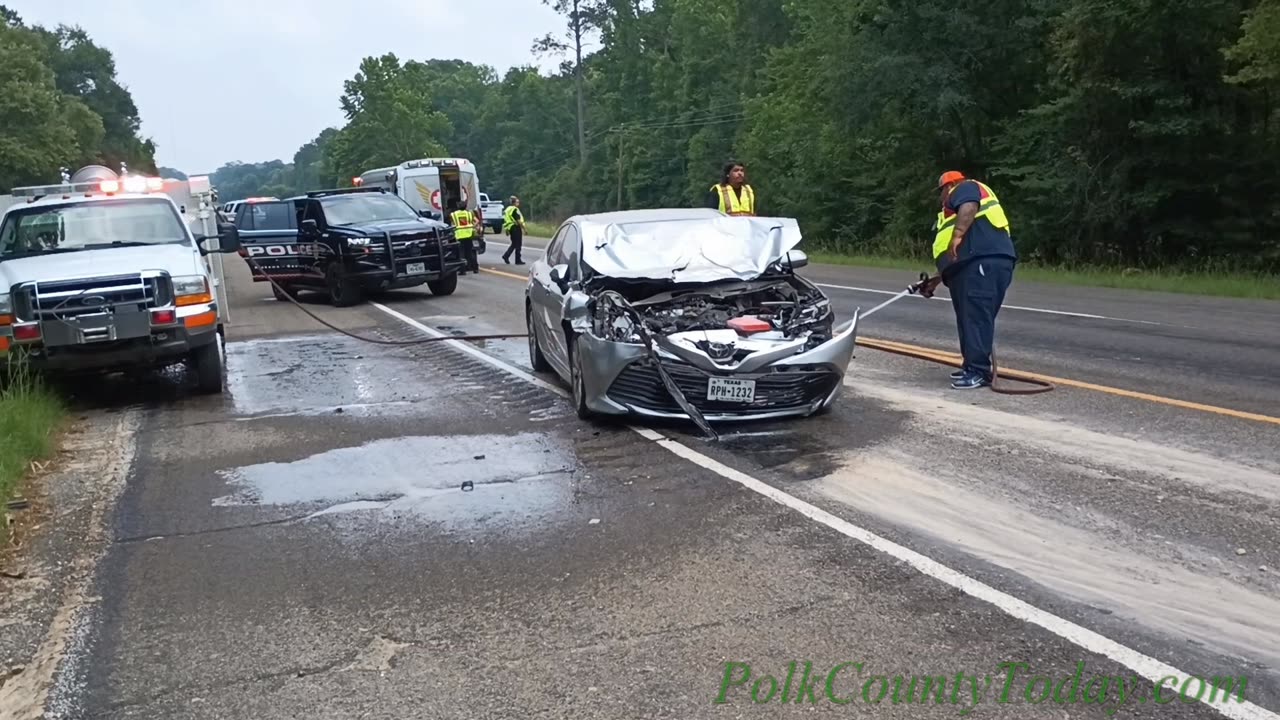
x=949 y=177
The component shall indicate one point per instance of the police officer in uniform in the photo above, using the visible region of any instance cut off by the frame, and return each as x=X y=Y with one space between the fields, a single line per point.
x=464 y=223
x=513 y=226
x=974 y=253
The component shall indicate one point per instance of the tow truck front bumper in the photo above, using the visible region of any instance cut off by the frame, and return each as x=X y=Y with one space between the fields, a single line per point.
x=122 y=342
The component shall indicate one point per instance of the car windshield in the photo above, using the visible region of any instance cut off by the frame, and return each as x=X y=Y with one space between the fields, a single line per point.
x=91 y=225
x=352 y=209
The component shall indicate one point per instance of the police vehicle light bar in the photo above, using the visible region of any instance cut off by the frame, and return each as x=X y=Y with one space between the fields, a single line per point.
x=435 y=162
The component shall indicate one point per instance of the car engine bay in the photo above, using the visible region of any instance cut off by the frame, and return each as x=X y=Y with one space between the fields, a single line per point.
x=784 y=309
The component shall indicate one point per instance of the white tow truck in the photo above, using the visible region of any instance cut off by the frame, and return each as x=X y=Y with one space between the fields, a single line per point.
x=105 y=272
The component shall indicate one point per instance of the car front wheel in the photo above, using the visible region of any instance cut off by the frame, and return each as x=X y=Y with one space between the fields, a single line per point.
x=343 y=291
x=207 y=362
x=444 y=286
x=577 y=382
x=537 y=360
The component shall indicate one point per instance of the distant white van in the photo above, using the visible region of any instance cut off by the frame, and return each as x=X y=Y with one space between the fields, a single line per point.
x=430 y=184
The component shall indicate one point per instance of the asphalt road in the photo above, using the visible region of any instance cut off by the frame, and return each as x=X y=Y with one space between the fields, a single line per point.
x=365 y=531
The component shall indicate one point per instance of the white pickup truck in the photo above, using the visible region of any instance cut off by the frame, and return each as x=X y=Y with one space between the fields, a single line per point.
x=491 y=210
x=100 y=273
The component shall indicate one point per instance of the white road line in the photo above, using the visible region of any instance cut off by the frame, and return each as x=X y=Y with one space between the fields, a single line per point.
x=1148 y=667
x=1046 y=311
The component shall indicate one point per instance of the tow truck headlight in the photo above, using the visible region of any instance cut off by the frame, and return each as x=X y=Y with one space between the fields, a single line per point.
x=192 y=290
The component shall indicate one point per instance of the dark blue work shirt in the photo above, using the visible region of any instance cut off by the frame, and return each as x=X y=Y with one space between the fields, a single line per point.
x=982 y=239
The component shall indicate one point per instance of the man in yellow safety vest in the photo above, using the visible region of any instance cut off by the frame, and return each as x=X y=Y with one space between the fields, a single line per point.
x=732 y=195
x=464 y=224
x=974 y=253
x=513 y=226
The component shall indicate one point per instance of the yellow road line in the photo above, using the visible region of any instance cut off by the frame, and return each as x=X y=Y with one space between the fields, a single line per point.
x=504 y=274
x=953 y=359
x=949 y=358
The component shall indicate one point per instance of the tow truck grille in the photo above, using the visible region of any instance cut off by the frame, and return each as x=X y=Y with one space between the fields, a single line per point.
x=67 y=299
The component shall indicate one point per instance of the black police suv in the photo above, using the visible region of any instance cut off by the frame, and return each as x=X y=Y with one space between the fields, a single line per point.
x=353 y=241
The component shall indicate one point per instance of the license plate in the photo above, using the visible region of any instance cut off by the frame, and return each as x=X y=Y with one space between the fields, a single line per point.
x=725 y=390
x=415 y=269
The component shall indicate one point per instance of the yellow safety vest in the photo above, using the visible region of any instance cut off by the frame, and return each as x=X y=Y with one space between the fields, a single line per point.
x=988 y=208
x=509 y=218
x=464 y=224
x=732 y=203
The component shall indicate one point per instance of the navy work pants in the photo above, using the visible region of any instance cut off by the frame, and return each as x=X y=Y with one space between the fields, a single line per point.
x=977 y=292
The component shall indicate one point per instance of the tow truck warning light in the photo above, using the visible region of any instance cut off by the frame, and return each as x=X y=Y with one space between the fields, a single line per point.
x=135 y=184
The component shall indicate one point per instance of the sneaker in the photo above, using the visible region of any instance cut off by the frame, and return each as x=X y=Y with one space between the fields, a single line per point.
x=970 y=381
x=958 y=374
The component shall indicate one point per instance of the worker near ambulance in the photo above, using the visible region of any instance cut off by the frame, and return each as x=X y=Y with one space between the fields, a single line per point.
x=513 y=226
x=732 y=195
x=464 y=224
x=975 y=257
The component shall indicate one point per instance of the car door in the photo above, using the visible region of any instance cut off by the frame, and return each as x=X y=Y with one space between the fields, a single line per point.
x=547 y=299
x=269 y=234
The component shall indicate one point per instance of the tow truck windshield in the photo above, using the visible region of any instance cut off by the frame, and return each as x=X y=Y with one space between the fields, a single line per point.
x=361 y=208
x=90 y=226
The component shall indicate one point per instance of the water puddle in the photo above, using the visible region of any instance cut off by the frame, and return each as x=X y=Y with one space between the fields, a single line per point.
x=457 y=480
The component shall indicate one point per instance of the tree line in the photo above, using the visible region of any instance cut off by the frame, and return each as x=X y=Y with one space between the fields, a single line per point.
x=1134 y=133
x=62 y=106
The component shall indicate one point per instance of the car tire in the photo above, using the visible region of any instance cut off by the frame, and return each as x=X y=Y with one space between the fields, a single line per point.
x=577 y=386
x=283 y=295
x=207 y=363
x=537 y=360
x=343 y=292
x=444 y=286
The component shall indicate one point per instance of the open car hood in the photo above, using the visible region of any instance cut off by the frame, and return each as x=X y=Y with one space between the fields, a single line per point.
x=701 y=250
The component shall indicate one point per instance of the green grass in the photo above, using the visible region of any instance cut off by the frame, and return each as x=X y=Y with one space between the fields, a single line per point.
x=537 y=229
x=29 y=415
x=1216 y=283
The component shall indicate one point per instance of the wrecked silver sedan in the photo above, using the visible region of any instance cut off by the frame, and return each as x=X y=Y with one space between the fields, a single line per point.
x=685 y=313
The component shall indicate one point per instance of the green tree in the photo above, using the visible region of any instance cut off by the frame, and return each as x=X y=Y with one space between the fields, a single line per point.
x=389 y=119
x=40 y=129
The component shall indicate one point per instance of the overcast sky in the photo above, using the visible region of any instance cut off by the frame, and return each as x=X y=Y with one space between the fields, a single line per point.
x=253 y=80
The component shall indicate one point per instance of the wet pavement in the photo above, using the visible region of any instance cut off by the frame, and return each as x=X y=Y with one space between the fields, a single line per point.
x=365 y=531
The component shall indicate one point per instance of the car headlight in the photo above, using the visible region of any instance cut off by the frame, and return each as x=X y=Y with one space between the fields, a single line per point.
x=192 y=290
x=359 y=242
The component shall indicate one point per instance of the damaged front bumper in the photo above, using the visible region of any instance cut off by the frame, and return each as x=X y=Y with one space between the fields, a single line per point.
x=789 y=381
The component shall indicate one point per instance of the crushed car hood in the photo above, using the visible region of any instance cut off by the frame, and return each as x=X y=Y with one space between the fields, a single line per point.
x=720 y=248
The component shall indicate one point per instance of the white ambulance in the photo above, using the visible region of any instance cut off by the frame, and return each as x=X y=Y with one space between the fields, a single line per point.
x=429 y=184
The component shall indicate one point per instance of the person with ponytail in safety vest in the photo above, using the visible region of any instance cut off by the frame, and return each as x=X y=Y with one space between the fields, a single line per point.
x=732 y=195
x=464 y=229
x=975 y=257
x=513 y=226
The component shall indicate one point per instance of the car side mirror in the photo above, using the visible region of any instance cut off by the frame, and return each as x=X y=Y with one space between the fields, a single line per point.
x=309 y=227
x=796 y=259
x=228 y=238
x=560 y=276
